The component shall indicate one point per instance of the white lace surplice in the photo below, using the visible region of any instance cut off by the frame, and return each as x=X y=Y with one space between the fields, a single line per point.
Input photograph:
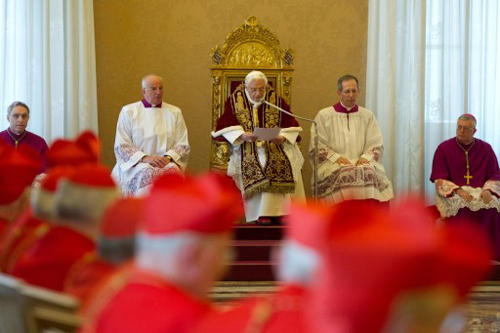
x=351 y=135
x=142 y=131
x=448 y=202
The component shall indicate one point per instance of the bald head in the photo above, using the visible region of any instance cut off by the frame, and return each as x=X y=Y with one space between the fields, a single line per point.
x=150 y=77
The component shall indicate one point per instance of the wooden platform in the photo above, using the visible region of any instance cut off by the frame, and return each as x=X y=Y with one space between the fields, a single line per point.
x=253 y=247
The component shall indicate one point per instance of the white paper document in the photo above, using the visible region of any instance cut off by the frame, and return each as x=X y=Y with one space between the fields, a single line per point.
x=266 y=134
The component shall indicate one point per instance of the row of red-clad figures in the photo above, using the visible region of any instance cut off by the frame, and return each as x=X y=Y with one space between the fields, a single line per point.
x=147 y=264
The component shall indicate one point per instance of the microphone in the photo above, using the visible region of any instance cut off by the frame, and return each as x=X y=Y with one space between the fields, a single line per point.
x=315 y=151
x=288 y=113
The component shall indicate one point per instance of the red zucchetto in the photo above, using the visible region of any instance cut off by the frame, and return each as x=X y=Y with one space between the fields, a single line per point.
x=18 y=168
x=308 y=224
x=207 y=204
x=122 y=217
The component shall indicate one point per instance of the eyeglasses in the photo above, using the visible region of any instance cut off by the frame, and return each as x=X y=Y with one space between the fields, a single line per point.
x=465 y=128
x=154 y=89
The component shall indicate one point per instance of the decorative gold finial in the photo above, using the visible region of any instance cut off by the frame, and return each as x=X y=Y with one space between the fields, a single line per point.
x=252 y=21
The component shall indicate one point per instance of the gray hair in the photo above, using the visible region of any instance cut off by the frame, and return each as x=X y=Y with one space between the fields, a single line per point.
x=161 y=253
x=79 y=203
x=17 y=103
x=255 y=75
x=42 y=203
x=468 y=117
x=144 y=79
x=116 y=250
x=345 y=78
x=298 y=263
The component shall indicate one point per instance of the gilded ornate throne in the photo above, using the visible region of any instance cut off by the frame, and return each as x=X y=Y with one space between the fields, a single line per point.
x=249 y=47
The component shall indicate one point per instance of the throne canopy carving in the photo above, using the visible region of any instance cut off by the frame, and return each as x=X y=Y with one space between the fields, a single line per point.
x=250 y=47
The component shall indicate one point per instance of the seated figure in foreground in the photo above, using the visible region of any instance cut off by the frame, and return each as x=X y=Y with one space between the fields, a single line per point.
x=115 y=246
x=467 y=177
x=62 y=157
x=180 y=251
x=299 y=258
x=395 y=272
x=79 y=204
x=18 y=168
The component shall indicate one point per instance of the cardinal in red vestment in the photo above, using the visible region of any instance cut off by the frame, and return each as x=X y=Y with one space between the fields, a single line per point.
x=79 y=205
x=299 y=258
x=181 y=248
x=18 y=168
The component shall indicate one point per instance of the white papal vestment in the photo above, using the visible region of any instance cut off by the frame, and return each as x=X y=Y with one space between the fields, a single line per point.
x=266 y=203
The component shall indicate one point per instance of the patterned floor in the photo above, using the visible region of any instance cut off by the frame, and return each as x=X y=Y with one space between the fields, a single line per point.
x=483 y=309
x=228 y=291
x=480 y=315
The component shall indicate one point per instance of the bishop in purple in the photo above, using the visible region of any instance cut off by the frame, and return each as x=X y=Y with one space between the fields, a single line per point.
x=18 y=114
x=467 y=177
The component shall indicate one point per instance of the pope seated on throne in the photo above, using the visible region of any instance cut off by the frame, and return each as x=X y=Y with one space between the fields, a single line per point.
x=268 y=173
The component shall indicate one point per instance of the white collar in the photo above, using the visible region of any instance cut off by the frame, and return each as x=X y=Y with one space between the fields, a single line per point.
x=348 y=109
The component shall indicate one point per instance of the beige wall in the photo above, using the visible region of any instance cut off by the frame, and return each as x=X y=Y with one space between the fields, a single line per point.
x=173 y=38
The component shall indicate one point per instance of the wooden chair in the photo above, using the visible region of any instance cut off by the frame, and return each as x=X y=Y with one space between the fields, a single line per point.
x=27 y=308
x=11 y=305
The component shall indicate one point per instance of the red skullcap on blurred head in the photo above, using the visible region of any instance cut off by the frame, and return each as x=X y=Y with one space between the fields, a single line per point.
x=90 y=142
x=370 y=260
x=461 y=253
x=18 y=168
x=67 y=153
x=351 y=215
x=207 y=204
x=373 y=261
x=470 y=116
x=50 y=181
x=465 y=257
x=116 y=241
x=121 y=218
x=308 y=224
x=92 y=176
x=85 y=149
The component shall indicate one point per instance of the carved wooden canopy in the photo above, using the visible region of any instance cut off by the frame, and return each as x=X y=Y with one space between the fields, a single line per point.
x=250 y=47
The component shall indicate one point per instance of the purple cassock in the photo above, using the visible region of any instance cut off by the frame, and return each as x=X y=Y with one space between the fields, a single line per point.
x=450 y=163
x=29 y=139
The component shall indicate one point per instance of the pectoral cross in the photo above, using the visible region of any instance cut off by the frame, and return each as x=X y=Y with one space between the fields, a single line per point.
x=468 y=177
x=16 y=142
